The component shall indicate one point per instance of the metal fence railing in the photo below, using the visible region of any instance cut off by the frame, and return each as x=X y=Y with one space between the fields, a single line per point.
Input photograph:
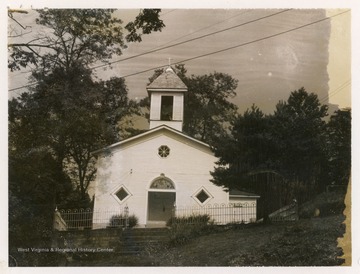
x=79 y=219
x=219 y=214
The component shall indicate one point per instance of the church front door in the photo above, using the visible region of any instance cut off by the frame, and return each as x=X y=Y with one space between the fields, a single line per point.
x=160 y=206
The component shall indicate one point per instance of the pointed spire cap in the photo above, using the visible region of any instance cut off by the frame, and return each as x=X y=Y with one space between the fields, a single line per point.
x=167 y=80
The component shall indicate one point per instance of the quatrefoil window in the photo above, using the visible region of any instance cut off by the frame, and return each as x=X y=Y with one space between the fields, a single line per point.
x=164 y=151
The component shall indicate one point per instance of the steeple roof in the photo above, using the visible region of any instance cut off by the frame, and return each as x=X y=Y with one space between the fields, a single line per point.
x=167 y=80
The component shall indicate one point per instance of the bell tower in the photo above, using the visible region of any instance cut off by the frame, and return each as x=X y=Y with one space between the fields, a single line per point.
x=166 y=94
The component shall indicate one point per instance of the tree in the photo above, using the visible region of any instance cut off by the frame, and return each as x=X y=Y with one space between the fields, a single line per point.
x=148 y=21
x=34 y=185
x=245 y=159
x=71 y=124
x=243 y=150
x=267 y=154
x=298 y=129
x=67 y=111
x=79 y=36
x=338 y=147
x=207 y=109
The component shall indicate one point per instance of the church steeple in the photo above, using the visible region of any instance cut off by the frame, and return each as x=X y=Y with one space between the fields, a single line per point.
x=166 y=94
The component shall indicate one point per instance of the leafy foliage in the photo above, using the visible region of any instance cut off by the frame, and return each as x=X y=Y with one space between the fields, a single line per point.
x=207 y=108
x=288 y=154
x=74 y=36
x=338 y=148
x=148 y=20
x=241 y=148
x=183 y=229
x=193 y=219
x=71 y=121
x=324 y=204
x=298 y=129
x=119 y=220
x=35 y=183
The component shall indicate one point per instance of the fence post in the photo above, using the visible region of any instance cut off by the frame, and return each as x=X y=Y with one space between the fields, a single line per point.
x=296 y=209
x=59 y=223
x=173 y=214
x=54 y=218
x=126 y=216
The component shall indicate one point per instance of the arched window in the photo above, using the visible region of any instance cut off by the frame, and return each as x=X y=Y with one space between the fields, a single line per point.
x=162 y=183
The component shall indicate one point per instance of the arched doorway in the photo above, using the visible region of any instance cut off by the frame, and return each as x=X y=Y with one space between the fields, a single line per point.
x=161 y=200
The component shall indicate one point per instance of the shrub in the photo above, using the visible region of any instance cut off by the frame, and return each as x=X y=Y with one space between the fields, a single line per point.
x=119 y=220
x=193 y=219
x=183 y=229
x=325 y=204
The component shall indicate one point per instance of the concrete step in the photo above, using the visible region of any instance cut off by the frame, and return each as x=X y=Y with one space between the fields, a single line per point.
x=135 y=241
x=147 y=234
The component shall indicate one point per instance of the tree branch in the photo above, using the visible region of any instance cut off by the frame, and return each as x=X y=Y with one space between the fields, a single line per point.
x=31 y=45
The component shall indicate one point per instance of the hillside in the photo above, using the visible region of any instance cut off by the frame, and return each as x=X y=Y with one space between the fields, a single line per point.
x=308 y=242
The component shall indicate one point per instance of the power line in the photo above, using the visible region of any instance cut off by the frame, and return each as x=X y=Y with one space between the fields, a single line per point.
x=166 y=47
x=335 y=91
x=173 y=45
x=198 y=30
x=191 y=40
x=214 y=52
x=241 y=45
x=220 y=22
x=170 y=11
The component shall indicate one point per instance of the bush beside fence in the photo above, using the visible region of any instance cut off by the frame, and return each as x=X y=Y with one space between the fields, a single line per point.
x=220 y=214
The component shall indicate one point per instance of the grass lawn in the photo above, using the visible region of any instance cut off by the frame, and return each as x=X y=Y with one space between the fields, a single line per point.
x=308 y=242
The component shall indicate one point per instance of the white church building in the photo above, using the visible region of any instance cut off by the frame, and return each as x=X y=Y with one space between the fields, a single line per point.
x=163 y=168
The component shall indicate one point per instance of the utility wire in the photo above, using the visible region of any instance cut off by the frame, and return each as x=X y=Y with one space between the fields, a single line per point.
x=170 y=11
x=198 y=30
x=214 y=52
x=190 y=40
x=335 y=91
x=173 y=45
x=240 y=45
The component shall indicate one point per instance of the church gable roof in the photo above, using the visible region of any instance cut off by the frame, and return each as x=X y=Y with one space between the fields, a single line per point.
x=150 y=133
x=167 y=80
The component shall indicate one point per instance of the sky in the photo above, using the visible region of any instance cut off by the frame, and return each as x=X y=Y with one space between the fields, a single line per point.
x=271 y=52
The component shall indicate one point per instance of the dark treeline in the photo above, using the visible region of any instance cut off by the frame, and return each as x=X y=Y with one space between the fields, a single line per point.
x=290 y=154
